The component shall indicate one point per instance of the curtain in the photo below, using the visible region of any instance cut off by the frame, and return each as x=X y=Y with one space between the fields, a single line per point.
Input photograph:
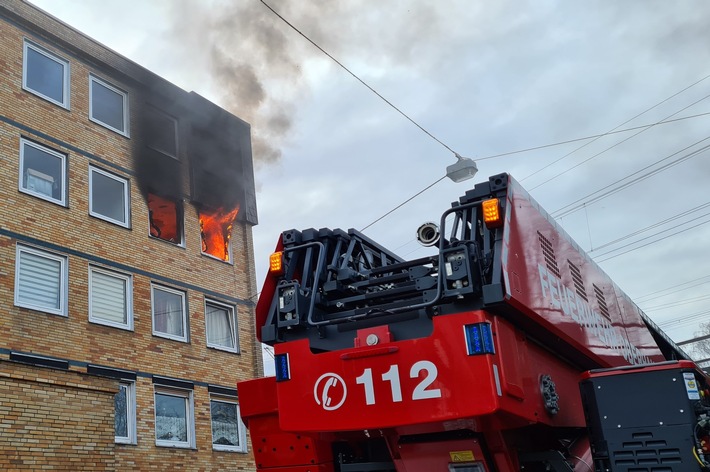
x=220 y=329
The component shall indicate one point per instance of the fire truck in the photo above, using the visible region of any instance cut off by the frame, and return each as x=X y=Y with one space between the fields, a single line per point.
x=506 y=350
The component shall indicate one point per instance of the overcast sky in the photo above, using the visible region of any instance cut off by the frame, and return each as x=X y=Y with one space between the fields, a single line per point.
x=484 y=78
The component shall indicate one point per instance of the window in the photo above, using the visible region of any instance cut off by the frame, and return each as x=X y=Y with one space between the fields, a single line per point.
x=169 y=313
x=110 y=298
x=161 y=132
x=108 y=197
x=41 y=280
x=221 y=326
x=108 y=106
x=174 y=424
x=45 y=75
x=125 y=413
x=165 y=215
x=42 y=172
x=228 y=432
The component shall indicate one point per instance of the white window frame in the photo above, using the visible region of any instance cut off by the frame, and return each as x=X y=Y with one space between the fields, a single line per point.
x=230 y=255
x=61 y=201
x=242 y=447
x=126 y=197
x=175 y=125
x=63 y=280
x=179 y=206
x=188 y=396
x=235 y=333
x=183 y=295
x=93 y=79
x=131 y=414
x=65 y=77
x=128 y=279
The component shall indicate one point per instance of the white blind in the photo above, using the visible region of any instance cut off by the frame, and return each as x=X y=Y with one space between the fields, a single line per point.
x=108 y=297
x=39 y=281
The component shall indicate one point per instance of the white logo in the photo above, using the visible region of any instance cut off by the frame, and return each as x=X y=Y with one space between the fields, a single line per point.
x=330 y=391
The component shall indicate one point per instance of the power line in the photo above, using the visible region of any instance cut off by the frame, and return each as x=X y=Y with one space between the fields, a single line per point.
x=586 y=200
x=647 y=244
x=358 y=78
x=558 y=144
x=682 y=320
x=656 y=294
x=393 y=106
x=613 y=129
x=655 y=225
x=609 y=133
x=404 y=202
x=617 y=144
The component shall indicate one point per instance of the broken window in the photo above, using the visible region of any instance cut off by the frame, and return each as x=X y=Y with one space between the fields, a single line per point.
x=216 y=231
x=161 y=132
x=165 y=217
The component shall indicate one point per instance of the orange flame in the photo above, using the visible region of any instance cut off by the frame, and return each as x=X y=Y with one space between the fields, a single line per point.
x=216 y=231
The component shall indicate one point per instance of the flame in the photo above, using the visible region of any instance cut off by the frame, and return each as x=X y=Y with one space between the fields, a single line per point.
x=163 y=216
x=216 y=231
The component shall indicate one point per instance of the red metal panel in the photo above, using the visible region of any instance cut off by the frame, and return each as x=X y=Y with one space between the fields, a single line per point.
x=537 y=262
x=391 y=384
x=274 y=449
x=436 y=456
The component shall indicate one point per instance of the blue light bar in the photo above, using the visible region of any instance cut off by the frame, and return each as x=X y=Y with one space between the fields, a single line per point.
x=479 y=339
x=283 y=370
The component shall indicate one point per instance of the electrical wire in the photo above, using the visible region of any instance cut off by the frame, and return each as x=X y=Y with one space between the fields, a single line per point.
x=656 y=295
x=370 y=88
x=683 y=320
x=622 y=124
x=591 y=198
x=647 y=244
x=616 y=144
x=655 y=225
x=609 y=133
x=404 y=203
x=613 y=130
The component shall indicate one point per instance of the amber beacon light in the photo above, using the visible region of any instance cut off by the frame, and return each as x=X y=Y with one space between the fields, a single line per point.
x=491 y=213
x=276 y=263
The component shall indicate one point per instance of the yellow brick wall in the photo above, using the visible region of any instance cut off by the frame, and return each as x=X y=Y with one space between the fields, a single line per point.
x=56 y=420
x=83 y=239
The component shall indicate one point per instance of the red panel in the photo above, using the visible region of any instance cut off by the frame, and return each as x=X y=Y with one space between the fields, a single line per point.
x=435 y=456
x=391 y=384
x=275 y=449
x=540 y=283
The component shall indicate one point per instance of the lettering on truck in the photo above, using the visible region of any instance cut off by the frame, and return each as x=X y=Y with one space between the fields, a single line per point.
x=568 y=302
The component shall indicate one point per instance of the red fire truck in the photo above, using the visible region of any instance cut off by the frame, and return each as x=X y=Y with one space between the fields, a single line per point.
x=509 y=349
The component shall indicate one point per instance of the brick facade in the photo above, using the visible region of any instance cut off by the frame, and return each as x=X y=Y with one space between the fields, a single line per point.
x=84 y=241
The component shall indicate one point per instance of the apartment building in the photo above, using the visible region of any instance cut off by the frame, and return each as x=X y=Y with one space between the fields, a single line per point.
x=126 y=261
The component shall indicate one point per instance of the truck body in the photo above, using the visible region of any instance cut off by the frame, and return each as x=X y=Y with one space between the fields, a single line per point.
x=467 y=360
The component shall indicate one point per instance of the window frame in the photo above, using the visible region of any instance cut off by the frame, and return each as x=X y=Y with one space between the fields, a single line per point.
x=241 y=428
x=63 y=280
x=128 y=279
x=130 y=412
x=180 y=223
x=185 y=326
x=188 y=396
x=63 y=157
x=158 y=111
x=126 y=196
x=66 y=76
x=231 y=309
x=94 y=79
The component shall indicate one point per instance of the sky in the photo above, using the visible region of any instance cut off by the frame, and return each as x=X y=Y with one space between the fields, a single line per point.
x=483 y=79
